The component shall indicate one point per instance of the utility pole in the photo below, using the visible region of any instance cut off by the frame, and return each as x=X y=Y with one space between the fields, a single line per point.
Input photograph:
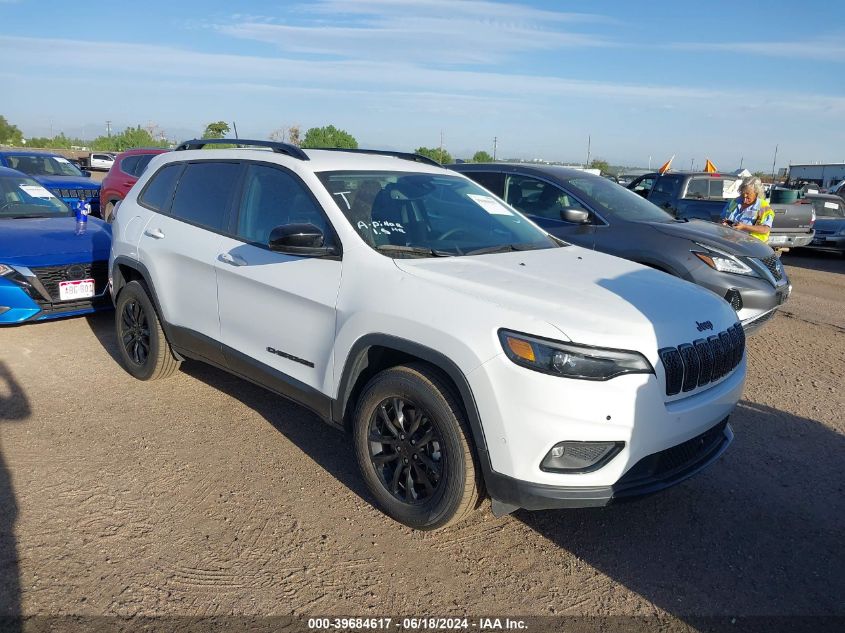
x=440 y=160
x=649 y=163
x=741 y=160
x=588 y=150
x=495 y=144
x=691 y=164
x=235 y=127
x=774 y=161
x=108 y=128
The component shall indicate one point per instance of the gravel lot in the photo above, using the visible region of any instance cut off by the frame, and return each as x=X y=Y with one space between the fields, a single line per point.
x=204 y=495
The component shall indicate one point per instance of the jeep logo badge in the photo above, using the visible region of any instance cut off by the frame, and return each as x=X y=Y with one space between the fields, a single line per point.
x=704 y=325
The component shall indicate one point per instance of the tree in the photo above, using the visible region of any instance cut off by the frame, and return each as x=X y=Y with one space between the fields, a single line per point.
x=9 y=134
x=290 y=134
x=481 y=157
x=435 y=153
x=329 y=136
x=216 y=130
x=601 y=165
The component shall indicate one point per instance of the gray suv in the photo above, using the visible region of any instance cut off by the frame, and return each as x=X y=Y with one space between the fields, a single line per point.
x=596 y=213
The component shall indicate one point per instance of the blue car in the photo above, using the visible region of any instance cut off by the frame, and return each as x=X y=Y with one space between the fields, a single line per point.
x=48 y=268
x=64 y=179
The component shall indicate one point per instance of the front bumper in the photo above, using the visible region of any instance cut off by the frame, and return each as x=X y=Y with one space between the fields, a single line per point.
x=525 y=413
x=651 y=474
x=37 y=299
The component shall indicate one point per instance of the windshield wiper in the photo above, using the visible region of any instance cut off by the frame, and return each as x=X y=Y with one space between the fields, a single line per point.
x=420 y=251
x=501 y=248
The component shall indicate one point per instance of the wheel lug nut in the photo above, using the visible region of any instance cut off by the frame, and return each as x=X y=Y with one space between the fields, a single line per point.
x=416 y=457
x=405 y=460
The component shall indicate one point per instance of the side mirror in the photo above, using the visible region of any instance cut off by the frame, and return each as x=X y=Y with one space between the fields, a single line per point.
x=86 y=173
x=305 y=240
x=575 y=216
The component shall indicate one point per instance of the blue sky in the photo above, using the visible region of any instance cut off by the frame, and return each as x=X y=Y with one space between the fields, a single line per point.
x=721 y=80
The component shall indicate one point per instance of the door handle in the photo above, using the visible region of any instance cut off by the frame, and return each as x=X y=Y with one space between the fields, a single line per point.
x=154 y=233
x=232 y=260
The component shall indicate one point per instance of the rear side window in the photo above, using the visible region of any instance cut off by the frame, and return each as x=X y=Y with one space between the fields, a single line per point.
x=159 y=191
x=494 y=183
x=204 y=194
x=129 y=164
x=709 y=188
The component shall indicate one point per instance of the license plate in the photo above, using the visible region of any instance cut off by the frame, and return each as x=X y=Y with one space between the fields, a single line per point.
x=777 y=239
x=82 y=289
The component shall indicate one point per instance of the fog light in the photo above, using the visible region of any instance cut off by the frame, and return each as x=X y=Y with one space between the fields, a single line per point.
x=580 y=457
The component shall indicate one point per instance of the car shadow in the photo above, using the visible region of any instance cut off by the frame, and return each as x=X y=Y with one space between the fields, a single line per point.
x=814 y=260
x=103 y=328
x=757 y=534
x=326 y=445
x=14 y=407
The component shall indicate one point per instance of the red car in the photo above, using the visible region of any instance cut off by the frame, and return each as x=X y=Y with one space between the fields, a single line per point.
x=127 y=168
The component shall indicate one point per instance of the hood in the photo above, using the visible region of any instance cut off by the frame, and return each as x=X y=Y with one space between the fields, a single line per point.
x=722 y=237
x=592 y=298
x=68 y=182
x=52 y=241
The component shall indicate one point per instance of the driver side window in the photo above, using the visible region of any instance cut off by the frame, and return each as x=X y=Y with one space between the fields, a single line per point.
x=272 y=197
x=539 y=198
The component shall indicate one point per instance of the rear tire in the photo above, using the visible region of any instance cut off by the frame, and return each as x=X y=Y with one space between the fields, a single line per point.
x=144 y=350
x=414 y=450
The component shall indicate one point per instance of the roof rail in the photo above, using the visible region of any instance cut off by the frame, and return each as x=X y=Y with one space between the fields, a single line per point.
x=279 y=148
x=417 y=158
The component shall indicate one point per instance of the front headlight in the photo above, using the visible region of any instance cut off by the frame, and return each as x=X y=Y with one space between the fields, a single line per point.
x=571 y=360
x=722 y=261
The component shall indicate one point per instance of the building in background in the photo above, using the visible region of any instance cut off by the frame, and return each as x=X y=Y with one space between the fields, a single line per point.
x=824 y=175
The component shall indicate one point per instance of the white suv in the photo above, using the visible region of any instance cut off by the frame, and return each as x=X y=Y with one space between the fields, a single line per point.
x=461 y=346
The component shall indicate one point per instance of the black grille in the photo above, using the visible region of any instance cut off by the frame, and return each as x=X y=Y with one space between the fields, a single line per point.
x=693 y=365
x=77 y=193
x=772 y=264
x=672 y=461
x=51 y=276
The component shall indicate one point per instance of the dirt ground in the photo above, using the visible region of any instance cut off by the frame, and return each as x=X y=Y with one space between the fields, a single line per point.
x=203 y=495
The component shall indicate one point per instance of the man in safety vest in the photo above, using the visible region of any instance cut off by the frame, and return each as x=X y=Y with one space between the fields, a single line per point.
x=750 y=212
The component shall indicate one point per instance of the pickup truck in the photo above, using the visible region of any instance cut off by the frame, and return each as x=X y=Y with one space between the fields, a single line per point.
x=98 y=161
x=703 y=195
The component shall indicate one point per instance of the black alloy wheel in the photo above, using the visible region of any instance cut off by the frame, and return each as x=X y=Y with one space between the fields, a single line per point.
x=406 y=450
x=135 y=332
x=414 y=447
x=143 y=347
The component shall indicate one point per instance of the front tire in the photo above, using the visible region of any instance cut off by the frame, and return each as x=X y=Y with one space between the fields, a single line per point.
x=144 y=350
x=413 y=448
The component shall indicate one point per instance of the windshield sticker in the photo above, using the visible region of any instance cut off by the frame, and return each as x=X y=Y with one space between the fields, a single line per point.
x=730 y=188
x=36 y=191
x=831 y=205
x=60 y=159
x=490 y=204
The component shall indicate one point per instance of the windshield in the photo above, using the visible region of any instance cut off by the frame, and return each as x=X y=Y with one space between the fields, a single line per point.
x=23 y=197
x=43 y=165
x=828 y=208
x=615 y=201
x=417 y=214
